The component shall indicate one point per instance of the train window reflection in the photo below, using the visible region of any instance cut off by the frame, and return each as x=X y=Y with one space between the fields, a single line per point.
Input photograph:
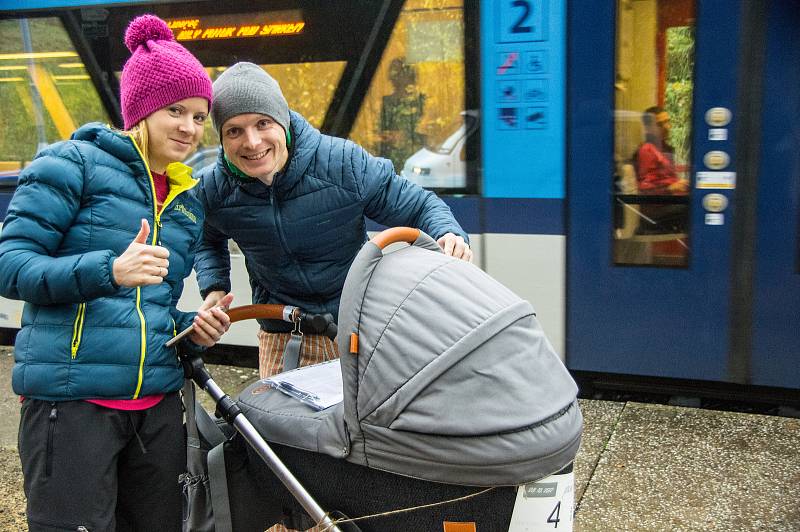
x=414 y=112
x=308 y=87
x=45 y=92
x=652 y=131
x=455 y=134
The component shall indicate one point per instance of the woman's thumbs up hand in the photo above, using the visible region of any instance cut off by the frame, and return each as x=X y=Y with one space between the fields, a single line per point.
x=141 y=264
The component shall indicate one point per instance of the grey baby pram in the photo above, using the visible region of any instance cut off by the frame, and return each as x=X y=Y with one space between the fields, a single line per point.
x=450 y=386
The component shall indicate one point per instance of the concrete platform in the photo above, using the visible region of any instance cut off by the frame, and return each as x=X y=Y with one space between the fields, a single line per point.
x=675 y=468
x=640 y=467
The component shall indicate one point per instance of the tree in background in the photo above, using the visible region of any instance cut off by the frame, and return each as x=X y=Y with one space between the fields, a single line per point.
x=679 y=89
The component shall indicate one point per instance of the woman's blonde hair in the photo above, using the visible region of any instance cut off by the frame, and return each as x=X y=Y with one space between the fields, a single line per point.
x=139 y=135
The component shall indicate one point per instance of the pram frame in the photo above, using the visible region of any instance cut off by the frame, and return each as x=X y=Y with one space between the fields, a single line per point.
x=231 y=412
x=194 y=369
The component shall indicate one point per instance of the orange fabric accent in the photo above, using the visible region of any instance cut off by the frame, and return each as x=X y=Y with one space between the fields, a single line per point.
x=281 y=528
x=453 y=526
x=354 y=343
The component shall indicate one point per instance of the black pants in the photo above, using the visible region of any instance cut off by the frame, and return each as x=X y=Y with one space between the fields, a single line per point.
x=92 y=468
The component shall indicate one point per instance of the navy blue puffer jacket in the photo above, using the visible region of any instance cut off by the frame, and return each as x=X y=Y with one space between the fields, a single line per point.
x=300 y=235
x=77 y=207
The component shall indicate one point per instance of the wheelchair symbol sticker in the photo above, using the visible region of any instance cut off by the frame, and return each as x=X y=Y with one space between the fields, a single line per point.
x=536 y=62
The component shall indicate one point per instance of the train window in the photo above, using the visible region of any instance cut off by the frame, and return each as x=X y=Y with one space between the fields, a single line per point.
x=392 y=78
x=323 y=54
x=45 y=92
x=652 y=132
x=414 y=112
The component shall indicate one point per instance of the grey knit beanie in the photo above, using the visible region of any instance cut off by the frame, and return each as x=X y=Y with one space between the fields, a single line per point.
x=247 y=88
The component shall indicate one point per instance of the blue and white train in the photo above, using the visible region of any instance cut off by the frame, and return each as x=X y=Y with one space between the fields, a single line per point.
x=526 y=116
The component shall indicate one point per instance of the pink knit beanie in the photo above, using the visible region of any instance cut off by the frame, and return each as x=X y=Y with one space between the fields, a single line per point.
x=159 y=72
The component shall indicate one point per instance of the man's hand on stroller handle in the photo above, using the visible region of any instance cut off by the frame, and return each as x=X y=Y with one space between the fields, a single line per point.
x=211 y=322
x=212 y=300
x=323 y=324
x=455 y=246
x=451 y=244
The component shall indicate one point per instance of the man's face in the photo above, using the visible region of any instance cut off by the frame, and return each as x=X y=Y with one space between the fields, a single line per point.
x=256 y=145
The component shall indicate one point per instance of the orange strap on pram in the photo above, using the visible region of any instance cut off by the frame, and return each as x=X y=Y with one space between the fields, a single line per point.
x=395 y=234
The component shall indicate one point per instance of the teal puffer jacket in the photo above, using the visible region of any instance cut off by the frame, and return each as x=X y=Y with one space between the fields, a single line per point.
x=300 y=235
x=77 y=208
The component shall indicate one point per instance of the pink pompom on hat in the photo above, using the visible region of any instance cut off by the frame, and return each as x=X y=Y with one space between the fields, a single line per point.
x=159 y=72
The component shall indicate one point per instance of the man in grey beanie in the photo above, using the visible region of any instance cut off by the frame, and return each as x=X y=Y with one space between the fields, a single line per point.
x=249 y=96
x=294 y=200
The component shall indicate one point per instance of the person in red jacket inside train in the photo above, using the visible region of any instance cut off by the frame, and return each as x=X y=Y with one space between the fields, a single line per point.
x=656 y=175
x=655 y=167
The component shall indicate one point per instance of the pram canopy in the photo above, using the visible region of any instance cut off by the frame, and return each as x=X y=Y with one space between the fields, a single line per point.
x=450 y=377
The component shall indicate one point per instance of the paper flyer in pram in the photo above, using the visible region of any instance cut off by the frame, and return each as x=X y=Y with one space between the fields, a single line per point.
x=319 y=385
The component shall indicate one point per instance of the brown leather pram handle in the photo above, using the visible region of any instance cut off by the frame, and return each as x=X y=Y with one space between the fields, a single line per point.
x=395 y=234
x=249 y=312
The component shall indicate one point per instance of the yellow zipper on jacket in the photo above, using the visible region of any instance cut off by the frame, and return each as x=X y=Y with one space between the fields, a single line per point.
x=181 y=176
x=77 y=329
x=143 y=340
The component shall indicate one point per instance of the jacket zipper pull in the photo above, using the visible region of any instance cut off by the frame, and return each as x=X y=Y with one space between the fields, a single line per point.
x=48 y=465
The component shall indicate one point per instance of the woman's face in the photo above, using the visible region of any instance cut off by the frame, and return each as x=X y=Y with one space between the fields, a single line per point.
x=174 y=132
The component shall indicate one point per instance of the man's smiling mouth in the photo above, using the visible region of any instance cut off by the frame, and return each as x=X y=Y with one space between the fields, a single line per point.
x=257 y=156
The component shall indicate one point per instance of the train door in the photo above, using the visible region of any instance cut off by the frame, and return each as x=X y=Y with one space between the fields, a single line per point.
x=682 y=143
x=776 y=276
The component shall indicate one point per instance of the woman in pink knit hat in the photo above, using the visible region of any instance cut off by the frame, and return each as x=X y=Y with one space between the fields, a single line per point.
x=97 y=241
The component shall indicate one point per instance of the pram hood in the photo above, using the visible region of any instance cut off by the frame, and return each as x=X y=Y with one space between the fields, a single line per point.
x=452 y=380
